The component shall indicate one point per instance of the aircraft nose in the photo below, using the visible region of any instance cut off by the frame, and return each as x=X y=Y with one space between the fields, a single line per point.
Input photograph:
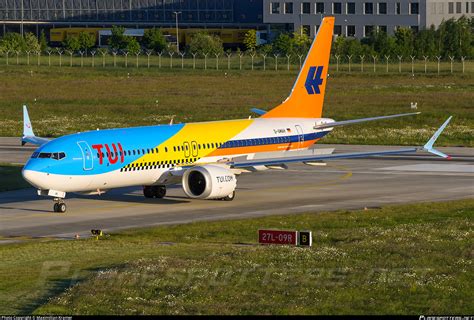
x=33 y=177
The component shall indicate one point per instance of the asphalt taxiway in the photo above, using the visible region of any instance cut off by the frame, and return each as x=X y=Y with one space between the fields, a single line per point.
x=341 y=184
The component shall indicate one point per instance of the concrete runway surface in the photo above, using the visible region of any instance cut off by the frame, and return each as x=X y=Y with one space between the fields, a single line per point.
x=342 y=184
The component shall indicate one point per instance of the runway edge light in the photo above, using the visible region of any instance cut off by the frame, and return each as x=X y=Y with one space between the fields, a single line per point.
x=97 y=233
x=305 y=238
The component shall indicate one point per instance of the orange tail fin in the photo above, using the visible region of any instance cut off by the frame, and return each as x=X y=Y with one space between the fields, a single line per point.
x=307 y=96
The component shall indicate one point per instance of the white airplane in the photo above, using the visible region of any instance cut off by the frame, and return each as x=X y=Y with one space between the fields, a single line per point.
x=204 y=157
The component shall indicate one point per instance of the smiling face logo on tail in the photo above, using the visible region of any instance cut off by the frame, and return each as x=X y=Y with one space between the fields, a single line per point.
x=314 y=80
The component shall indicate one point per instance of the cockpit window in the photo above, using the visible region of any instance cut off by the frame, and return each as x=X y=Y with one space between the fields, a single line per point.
x=45 y=155
x=58 y=155
x=49 y=155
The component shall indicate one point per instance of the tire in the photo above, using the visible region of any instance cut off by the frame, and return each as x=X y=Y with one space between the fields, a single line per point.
x=148 y=192
x=230 y=197
x=62 y=207
x=56 y=207
x=159 y=192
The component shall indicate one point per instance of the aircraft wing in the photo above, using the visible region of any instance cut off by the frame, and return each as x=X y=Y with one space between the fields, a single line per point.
x=281 y=161
x=343 y=123
x=34 y=140
x=28 y=134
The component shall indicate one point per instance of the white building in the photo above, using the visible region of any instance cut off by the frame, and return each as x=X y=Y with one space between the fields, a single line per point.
x=355 y=18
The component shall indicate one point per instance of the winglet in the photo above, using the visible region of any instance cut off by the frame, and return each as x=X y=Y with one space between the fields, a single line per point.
x=429 y=145
x=27 y=128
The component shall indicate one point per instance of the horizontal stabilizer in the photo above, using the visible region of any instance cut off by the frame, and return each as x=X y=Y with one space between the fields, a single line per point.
x=343 y=123
x=258 y=111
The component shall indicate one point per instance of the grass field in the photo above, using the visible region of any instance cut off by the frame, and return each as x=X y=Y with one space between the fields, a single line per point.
x=11 y=178
x=414 y=259
x=67 y=100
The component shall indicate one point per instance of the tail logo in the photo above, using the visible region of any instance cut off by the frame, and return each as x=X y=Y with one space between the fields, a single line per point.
x=314 y=80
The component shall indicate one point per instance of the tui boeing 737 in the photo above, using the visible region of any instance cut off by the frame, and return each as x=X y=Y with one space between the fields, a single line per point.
x=204 y=157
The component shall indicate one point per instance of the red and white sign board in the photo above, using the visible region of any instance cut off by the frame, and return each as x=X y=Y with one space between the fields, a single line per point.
x=277 y=237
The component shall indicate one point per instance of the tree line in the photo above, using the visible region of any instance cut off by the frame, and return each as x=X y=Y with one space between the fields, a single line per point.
x=453 y=38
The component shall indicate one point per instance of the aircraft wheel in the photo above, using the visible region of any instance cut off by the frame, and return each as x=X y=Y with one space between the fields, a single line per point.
x=62 y=207
x=230 y=197
x=59 y=207
x=148 y=192
x=159 y=191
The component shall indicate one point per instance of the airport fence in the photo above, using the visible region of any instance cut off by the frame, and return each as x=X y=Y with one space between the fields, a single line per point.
x=233 y=61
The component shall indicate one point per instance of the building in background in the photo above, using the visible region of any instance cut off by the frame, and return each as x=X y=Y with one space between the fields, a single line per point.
x=356 y=18
x=36 y=15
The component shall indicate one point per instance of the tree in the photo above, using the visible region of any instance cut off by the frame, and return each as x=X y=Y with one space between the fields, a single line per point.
x=42 y=41
x=301 y=42
x=153 y=39
x=250 y=40
x=466 y=36
x=86 y=41
x=118 y=41
x=12 y=42
x=31 y=42
x=133 y=47
x=381 y=43
x=338 y=46
x=72 y=43
x=404 y=42
x=425 y=43
x=455 y=38
x=202 y=43
x=265 y=49
x=283 y=44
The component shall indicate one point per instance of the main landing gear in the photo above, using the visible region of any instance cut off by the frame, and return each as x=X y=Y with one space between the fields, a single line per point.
x=59 y=205
x=154 y=191
x=230 y=197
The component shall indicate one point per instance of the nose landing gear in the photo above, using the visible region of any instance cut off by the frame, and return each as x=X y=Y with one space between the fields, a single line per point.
x=59 y=206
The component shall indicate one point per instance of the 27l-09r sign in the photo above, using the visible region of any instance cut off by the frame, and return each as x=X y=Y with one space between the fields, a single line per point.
x=277 y=237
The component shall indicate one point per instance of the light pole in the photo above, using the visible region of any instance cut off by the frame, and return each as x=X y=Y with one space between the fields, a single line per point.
x=22 y=13
x=301 y=24
x=177 y=34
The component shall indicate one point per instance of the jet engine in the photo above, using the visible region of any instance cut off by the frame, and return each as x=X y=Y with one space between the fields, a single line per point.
x=209 y=182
